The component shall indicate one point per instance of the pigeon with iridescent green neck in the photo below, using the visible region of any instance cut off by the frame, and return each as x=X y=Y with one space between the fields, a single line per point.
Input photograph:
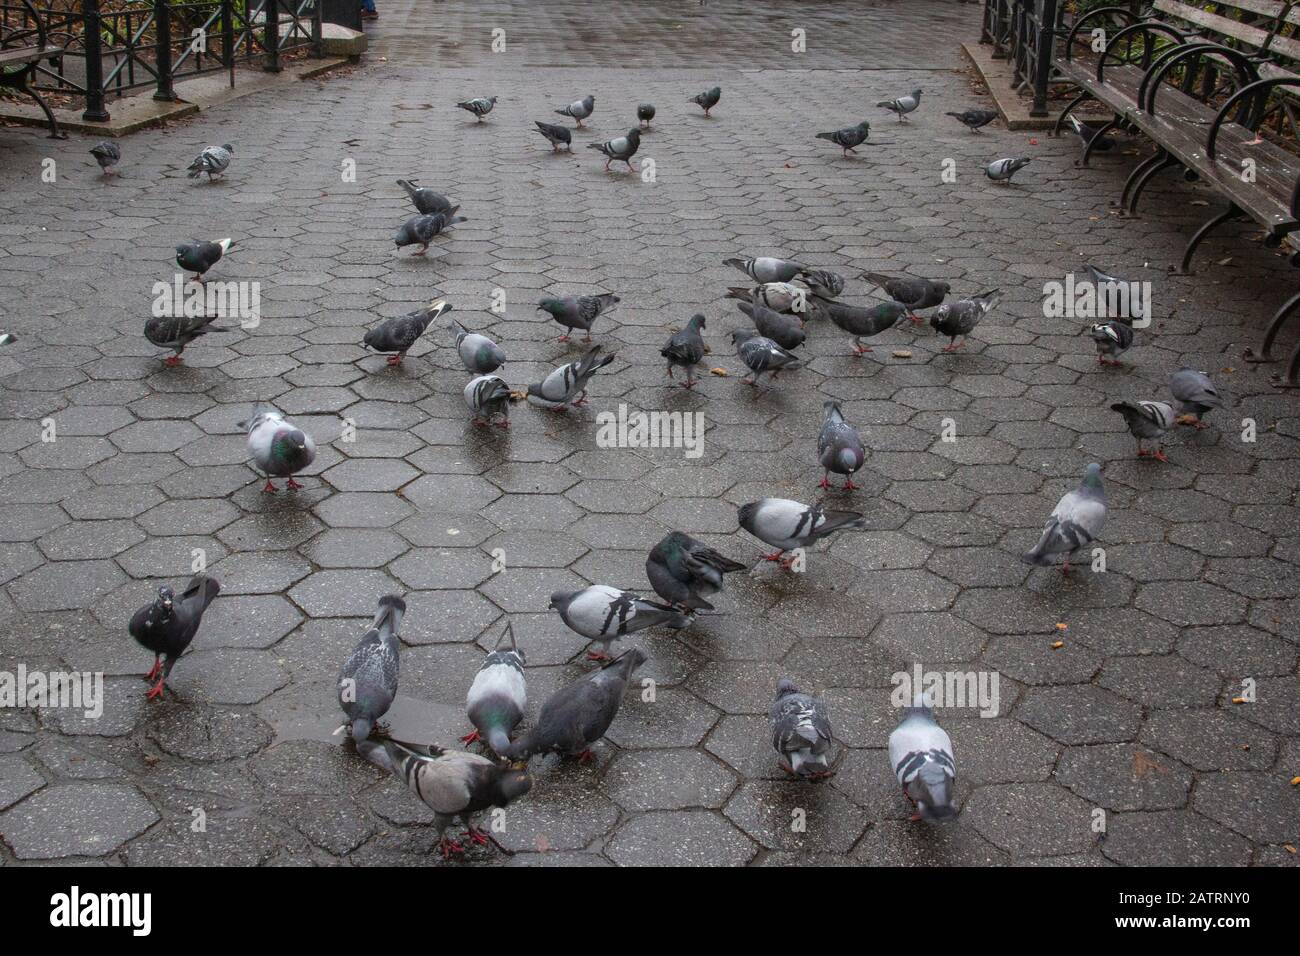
x=368 y=679
x=279 y=449
x=498 y=697
x=478 y=352
x=682 y=570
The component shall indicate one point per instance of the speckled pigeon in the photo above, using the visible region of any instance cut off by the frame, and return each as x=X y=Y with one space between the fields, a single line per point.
x=903 y=105
x=198 y=256
x=1076 y=521
x=823 y=283
x=168 y=625
x=839 y=447
x=849 y=137
x=801 y=731
x=479 y=353
x=176 y=332
x=1001 y=170
x=368 y=679
x=420 y=230
x=916 y=294
x=498 y=697
x=683 y=570
x=864 y=322
x=426 y=201
x=578 y=312
x=108 y=154
x=398 y=334
x=604 y=614
x=214 y=160
x=708 y=99
x=645 y=112
x=1112 y=339
x=579 y=110
x=556 y=135
x=960 y=318
x=762 y=355
x=278 y=448
x=480 y=106
x=784 y=329
x=569 y=382
x=786 y=524
x=1195 y=394
x=974 y=120
x=686 y=349
x=1147 y=420
x=488 y=397
x=622 y=148
x=920 y=754
x=766 y=268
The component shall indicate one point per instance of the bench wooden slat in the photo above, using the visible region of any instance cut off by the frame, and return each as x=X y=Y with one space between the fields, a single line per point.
x=27 y=54
x=1251 y=34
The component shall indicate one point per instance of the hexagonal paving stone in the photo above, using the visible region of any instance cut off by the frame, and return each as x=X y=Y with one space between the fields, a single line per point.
x=668 y=780
x=685 y=838
x=77 y=819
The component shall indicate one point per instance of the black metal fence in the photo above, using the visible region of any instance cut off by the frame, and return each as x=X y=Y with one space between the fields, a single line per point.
x=111 y=47
x=1025 y=32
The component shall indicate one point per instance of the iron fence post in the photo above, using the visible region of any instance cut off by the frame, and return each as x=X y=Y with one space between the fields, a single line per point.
x=1046 y=45
x=271 y=34
x=317 y=15
x=228 y=36
x=162 y=21
x=94 y=112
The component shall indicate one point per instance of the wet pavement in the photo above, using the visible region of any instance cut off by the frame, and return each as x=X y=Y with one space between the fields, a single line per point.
x=1117 y=689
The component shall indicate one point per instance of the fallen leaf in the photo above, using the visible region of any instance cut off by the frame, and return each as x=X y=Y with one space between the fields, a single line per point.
x=1288 y=847
x=720 y=372
x=1295 y=781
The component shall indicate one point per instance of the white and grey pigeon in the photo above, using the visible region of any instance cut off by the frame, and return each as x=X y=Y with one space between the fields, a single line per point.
x=420 y=230
x=398 y=334
x=766 y=268
x=577 y=716
x=708 y=99
x=368 y=679
x=683 y=570
x=214 y=160
x=801 y=731
x=920 y=754
x=1001 y=170
x=177 y=331
x=839 y=447
x=480 y=106
x=1147 y=421
x=579 y=110
x=498 y=697
x=903 y=105
x=568 y=383
x=622 y=148
x=426 y=201
x=960 y=318
x=488 y=397
x=686 y=350
x=777 y=296
x=198 y=256
x=762 y=355
x=849 y=138
x=578 y=311
x=451 y=783
x=786 y=524
x=1112 y=339
x=1076 y=521
x=479 y=353
x=1195 y=394
x=279 y=449
x=783 y=328
x=604 y=614
x=108 y=154
x=556 y=135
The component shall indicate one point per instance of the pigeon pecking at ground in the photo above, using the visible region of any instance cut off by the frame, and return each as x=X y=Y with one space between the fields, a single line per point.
x=1076 y=521
x=214 y=160
x=367 y=681
x=556 y=135
x=645 y=112
x=168 y=625
x=420 y=230
x=480 y=106
x=823 y=283
x=920 y=754
x=777 y=296
x=279 y=449
x=198 y=256
x=579 y=110
x=108 y=154
x=1001 y=170
x=1195 y=394
x=849 y=137
x=1088 y=133
x=839 y=447
x=477 y=352
x=786 y=524
x=1147 y=421
x=761 y=355
x=708 y=99
x=903 y=105
x=974 y=120
x=686 y=349
x=864 y=322
x=622 y=148
x=498 y=697
x=488 y=397
x=568 y=383
x=801 y=732
x=764 y=269
x=1112 y=339
x=176 y=332
x=426 y=201
x=683 y=570
x=960 y=318
x=785 y=329
x=604 y=614
x=916 y=294
x=398 y=334
x=578 y=312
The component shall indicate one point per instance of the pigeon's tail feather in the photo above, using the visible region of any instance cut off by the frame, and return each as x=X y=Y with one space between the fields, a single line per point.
x=835 y=520
x=391 y=609
x=592 y=362
x=1036 y=555
x=741 y=293
x=877 y=278
x=225 y=244
x=826 y=136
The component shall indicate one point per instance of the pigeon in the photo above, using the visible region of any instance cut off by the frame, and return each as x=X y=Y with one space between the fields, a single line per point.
x=777 y=296
x=451 y=783
x=645 y=112
x=863 y=322
x=785 y=330
x=686 y=349
x=823 y=283
x=497 y=698
x=1121 y=299
x=604 y=614
x=397 y=335
x=579 y=110
x=368 y=679
x=960 y=318
x=1077 y=520
x=622 y=148
x=426 y=201
x=108 y=154
x=974 y=120
x=767 y=269
x=278 y=448
x=761 y=355
x=569 y=382
x=1147 y=420
x=478 y=352
x=7 y=338
x=575 y=717
x=708 y=99
x=198 y=256
x=420 y=230
x=176 y=332
x=168 y=625
x=903 y=105
x=1113 y=339
x=683 y=570
x=488 y=397
x=916 y=294
x=480 y=106
x=555 y=135
x=214 y=161
x=786 y=524
x=578 y=312
x=920 y=753
x=1088 y=133
x=1001 y=170
x=1195 y=394
x=839 y=447
x=849 y=137
x=801 y=731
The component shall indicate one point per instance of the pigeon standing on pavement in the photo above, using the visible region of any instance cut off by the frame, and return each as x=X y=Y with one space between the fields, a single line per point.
x=777 y=296
x=683 y=570
x=975 y=120
x=784 y=329
x=1113 y=339
x=479 y=353
x=1195 y=394
x=686 y=350
x=849 y=137
x=920 y=754
x=1001 y=170
x=368 y=679
x=916 y=294
x=766 y=268
x=823 y=283
x=622 y=148
x=865 y=322
x=420 y=230
x=168 y=625
x=568 y=383
x=579 y=110
x=108 y=154
x=645 y=112
x=1076 y=521
x=556 y=135
x=761 y=355
x=176 y=332
x=960 y=318
x=1122 y=299
x=786 y=524
x=198 y=256
x=801 y=731
x=578 y=312
x=488 y=397
x=708 y=99
x=1147 y=421
x=279 y=449
x=397 y=335
x=903 y=105
x=426 y=201
x=480 y=106
x=1088 y=133
x=604 y=614
x=839 y=447
x=498 y=697
x=214 y=160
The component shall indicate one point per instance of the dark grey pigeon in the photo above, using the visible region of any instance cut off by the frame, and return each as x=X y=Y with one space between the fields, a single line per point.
x=1113 y=339
x=1088 y=133
x=1147 y=421
x=960 y=318
x=498 y=697
x=920 y=754
x=762 y=355
x=480 y=106
x=903 y=105
x=577 y=716
x=864 y=322
x=368 y=680
x=579 y=110
x=1001 y=170
x=682 y=570
x=426 y=201
x=604 y=614
x=1121 y=299
x=839 y=447
x=974 y=120
x=556 y=135
x=397 y=335
x=578 y=312
x=766 y=268
x=176 y=332
x=916 y=294
x=785 y=330
x=420 y=230
x=849 y=137
x=823 y=283
x=488 y=397
x=1076 y=521
x=198 y=256
x=1195 y=394
x=622 y=148
x=645 y=112
x=479 y=353
x=801 y=731
x=686 y=350
x=214 y=160
x=108 y=154
x=708 y=99
x=168 y=625
x=569 y=382
x=786 y=524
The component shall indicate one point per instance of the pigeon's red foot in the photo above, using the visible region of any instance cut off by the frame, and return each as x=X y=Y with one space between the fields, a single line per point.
x=449 y=848
x=293 y=485
x=915 y=818
x=825 y=482
x=504 y=423
x=153 y=671
x=156 y=690
x=690 y=384
x=587 y=756
x=1160 y=456
x=747 y=381
x=562 y=338
x=422 y=251
x=469 y=738
x=1065 y=568
x=395 y=360
x=850 y=486
x=774 y=556
x=478 y=837
x=173 y=360
x=915 y=318
x=860 y=350
x=269 y=488
x=478 y=423
x=598 y=656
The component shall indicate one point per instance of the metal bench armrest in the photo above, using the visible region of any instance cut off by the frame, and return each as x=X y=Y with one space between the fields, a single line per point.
x=1078 y=25
x=1246 y=72
x=1149 y=26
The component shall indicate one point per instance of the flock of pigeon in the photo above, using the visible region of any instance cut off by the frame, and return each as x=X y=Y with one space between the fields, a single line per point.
x=786 y=301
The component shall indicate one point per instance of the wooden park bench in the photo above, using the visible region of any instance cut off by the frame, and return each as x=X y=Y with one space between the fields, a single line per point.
x=22 y=46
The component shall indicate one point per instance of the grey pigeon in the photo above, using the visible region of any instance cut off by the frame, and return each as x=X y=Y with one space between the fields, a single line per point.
x=1113 y=339
x=708 y=99
x=168 y=625
x=480 y=106
x=1120 y=298
x=420 y=230
x=579 y=110
x=823 y=283
x=214 y=160
x=368 y=679
x=686 y=350
x=849 y=137
x=108 y=154
x=974 y=120
x=569 y=382
x=761 y=355
x=488 y=397
x=785 y=330
x=577 y=716
x=916 y=294
x=1195 y=394
x=176 y=332
x=903 y=105
x=198 y=256
x=556 y=135
x=801 y=731
x=578 y=312
x=645 y=112
x=920 y=754
x=766 y=268
x=622 y=148
x=786 y=524
x=839 y=447
x=1147 y=421
x=7 y=338
x=1076 y=521
x=604 y=614
x=279 y=449
x=1001 y=170
x=452 y=783
x=960 y=318
x=498 y=697
x=1088 y=133
x=864 y=322
x=777 y=296
x=683 y=570
x=479 y=353
x=426 y=201
x=397 y=335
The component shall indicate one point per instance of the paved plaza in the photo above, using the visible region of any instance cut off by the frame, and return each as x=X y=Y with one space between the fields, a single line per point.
x=1117 y=690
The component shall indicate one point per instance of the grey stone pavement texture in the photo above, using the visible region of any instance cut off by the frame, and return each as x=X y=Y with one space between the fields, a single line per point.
x=1133 y=713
